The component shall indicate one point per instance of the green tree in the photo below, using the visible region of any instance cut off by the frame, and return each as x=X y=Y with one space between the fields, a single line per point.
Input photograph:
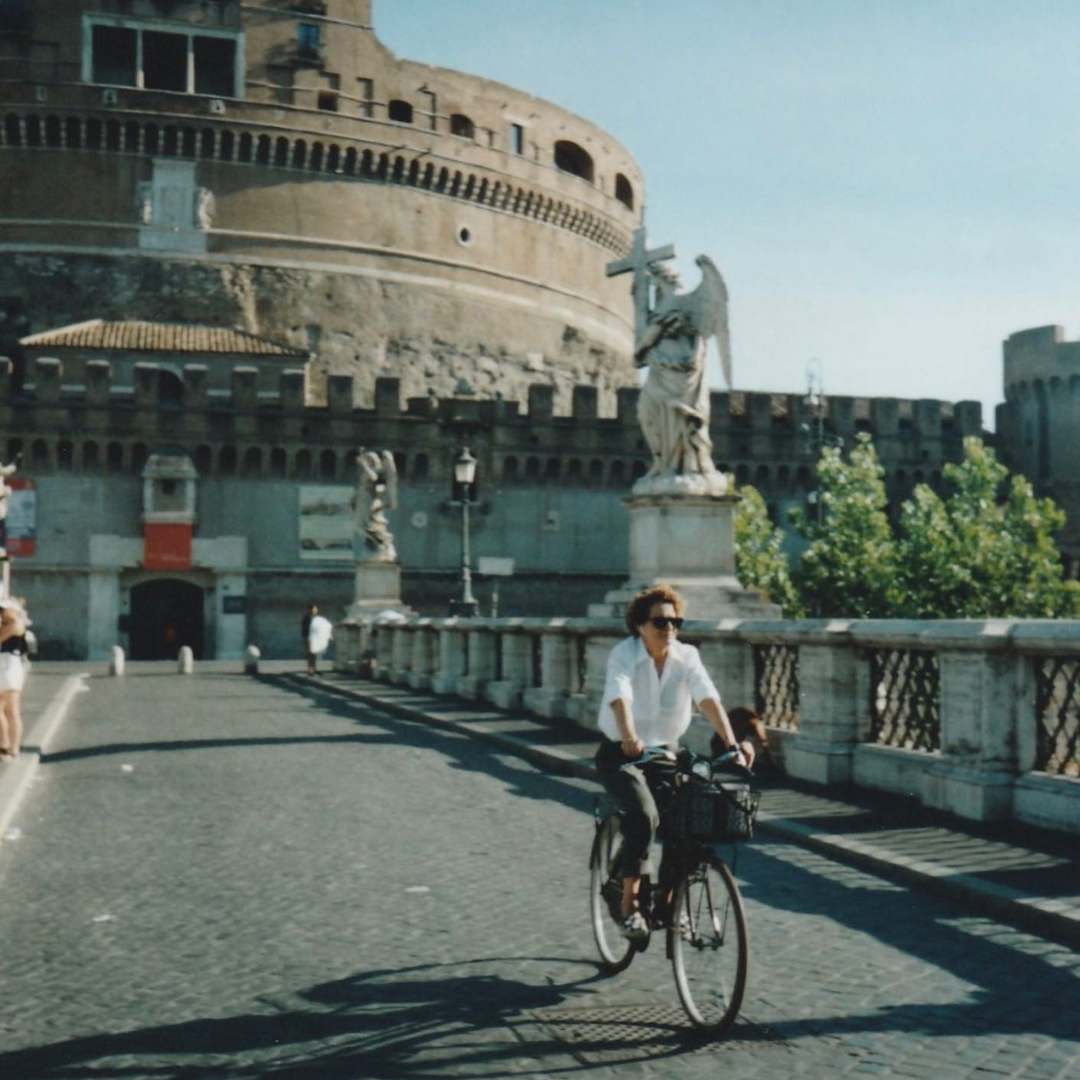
x=985 y=552
x=760 y=559
x=849 y=566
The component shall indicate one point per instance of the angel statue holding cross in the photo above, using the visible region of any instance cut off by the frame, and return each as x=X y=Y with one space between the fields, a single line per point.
x=671 y=338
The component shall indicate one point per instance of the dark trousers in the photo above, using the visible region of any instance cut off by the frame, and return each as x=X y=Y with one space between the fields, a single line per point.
x=630 y=790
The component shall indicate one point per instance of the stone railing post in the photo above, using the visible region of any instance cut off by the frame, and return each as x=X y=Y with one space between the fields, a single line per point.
x=516 y=649
x=401 y=654
x=829 y=711
x=549 y=699
x=384 y=651
x=453 y=657
x=584 y=706
x=975 y=772
x=482 y=642
x=425 y=652
x=347 y=647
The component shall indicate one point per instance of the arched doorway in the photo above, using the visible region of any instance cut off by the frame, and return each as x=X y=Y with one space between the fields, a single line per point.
x=165 y=615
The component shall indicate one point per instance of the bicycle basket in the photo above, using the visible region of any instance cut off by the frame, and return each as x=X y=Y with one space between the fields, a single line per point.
x=713 y=812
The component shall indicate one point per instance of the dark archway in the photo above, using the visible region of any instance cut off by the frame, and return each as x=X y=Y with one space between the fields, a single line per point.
x=166 y=614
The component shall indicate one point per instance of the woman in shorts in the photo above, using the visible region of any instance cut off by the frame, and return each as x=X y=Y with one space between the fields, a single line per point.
x=13 y=649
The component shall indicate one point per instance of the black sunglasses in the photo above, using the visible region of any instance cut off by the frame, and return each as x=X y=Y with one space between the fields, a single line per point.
x=662 y=622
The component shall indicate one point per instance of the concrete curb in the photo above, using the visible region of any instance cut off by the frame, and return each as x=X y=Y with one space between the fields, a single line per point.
x=1045 y=916
x=15 y=777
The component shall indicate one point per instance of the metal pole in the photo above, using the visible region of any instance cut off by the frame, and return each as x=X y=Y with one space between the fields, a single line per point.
x=467 y=601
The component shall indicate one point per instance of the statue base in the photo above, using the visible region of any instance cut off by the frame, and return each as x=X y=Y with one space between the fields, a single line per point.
x=687 y=542
x=377 y=591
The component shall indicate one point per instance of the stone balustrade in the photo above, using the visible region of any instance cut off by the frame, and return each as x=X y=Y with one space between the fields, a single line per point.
x=978 y=718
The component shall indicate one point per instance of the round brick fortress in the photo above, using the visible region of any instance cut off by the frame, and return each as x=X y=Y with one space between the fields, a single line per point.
x=272 y=166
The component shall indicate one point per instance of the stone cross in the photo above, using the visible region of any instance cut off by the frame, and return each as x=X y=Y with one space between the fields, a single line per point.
x=637 y=263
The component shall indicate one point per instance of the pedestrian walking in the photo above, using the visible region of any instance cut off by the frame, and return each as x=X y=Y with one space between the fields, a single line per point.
x=316 y=632
x=13 y=651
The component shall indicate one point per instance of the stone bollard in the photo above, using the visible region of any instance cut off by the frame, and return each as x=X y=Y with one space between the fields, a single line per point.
x=116 y=662
x=186 y=661
x=251 y=660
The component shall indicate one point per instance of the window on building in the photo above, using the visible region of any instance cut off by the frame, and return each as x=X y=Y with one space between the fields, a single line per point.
x=328 y=101
x=215 y=66
x=400 y=111
x=164 y=61
x=309 y=37
x=571 y=158
x=461 y=125
x=114 y=52
x=623 y=191
x=178 y=59
x=517 y=139
x=365 y=90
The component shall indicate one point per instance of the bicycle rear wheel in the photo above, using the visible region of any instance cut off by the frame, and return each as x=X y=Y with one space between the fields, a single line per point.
x=710 y=951
x=605 y=892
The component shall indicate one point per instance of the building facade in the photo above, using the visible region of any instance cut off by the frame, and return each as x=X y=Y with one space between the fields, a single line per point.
x=272 y=166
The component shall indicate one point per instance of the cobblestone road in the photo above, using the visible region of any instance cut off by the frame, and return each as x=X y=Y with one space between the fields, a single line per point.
x=223 y=878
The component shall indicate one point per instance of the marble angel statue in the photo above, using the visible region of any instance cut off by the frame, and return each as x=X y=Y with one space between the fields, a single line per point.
x=673 y=407
x=376 y=491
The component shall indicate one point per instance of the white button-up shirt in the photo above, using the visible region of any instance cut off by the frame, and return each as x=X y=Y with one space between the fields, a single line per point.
x=659 y=704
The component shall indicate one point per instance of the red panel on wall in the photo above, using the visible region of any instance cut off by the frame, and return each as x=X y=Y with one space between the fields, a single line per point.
x=167 y=547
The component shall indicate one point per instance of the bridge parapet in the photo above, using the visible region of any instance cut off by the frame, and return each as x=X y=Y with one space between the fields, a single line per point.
x=979 y=718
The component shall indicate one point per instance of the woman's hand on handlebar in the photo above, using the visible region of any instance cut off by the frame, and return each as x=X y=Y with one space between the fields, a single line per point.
x=632 y=747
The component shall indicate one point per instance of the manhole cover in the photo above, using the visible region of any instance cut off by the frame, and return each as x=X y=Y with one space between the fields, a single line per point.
x=609 y=1034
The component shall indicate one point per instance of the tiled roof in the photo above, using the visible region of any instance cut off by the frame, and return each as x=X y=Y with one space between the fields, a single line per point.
x=160 y=337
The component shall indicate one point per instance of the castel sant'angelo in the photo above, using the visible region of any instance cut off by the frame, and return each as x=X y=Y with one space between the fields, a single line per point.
x=241 y=240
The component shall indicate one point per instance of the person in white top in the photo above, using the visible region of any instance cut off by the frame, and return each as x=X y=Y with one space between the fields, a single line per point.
x=652 y=681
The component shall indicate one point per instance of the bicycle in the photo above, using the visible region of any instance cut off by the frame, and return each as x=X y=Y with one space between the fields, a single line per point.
x=696 y=900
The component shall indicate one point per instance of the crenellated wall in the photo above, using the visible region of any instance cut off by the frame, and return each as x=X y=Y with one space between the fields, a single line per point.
x=260 y=430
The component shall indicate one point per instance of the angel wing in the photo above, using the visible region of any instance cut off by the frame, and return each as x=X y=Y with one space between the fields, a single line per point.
x=390 y=467
x=708 y=304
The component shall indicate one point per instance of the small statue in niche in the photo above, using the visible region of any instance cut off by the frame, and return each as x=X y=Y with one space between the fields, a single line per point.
x=376 y=492
x=205 y=208
x=144 y=202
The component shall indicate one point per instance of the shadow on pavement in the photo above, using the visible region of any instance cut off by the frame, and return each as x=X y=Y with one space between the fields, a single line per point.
x=424 y=1021
x=463 y=751
x=944 y=937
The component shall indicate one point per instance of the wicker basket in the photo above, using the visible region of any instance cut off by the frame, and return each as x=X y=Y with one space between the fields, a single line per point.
x=713 y=812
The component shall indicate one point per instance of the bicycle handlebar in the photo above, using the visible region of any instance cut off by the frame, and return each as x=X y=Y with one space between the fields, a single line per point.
x=662 y=753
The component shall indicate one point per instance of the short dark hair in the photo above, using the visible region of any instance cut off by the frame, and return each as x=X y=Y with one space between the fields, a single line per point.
x=637 y=611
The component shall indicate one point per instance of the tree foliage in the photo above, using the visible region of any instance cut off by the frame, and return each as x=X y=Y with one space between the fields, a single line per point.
x=849 y=568
x=987 y=551
x=760 y=559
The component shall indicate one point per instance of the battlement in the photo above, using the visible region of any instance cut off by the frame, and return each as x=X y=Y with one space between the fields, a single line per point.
x=242 y=428
x=741 y=410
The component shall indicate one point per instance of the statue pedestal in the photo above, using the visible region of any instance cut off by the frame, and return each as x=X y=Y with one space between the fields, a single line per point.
x=687 y=542
x=378 y=590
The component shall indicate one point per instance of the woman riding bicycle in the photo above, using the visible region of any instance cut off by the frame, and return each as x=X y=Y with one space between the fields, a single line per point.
x=651 y=681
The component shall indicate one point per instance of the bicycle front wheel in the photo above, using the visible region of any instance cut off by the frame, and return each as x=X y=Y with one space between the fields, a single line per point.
x=710 y=951
x=605 y=894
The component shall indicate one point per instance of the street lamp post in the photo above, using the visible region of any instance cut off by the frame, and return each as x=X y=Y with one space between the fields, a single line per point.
x=464 y=474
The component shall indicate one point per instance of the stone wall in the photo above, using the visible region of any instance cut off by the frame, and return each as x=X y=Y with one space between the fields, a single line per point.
x=980 y=719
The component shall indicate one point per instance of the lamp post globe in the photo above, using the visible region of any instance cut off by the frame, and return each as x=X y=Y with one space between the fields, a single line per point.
x=466 y=605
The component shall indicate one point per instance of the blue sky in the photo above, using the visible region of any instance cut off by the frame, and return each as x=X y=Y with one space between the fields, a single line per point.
x=890 y=186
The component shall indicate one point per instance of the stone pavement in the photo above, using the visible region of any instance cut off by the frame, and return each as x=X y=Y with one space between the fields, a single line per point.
x=1028 y=876
x=228 y=878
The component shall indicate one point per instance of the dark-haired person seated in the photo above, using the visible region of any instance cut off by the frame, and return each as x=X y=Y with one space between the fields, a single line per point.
x=652 y=681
